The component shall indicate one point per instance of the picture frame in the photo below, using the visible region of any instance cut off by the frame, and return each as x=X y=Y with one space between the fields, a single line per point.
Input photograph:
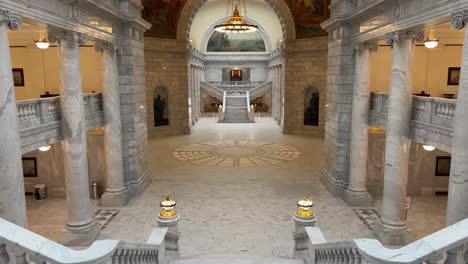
x=443 y=166
x=18 y=77
x=29 y=167
x=453 y=76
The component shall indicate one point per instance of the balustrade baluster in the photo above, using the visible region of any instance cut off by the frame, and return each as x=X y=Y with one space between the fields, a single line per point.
x=4 y=257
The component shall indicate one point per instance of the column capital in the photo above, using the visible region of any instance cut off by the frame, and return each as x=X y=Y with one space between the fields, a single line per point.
x=69 y=36
x=459 y=20
x=397 y=36
x=368 y=45
x=13 y=20
x=101 y=45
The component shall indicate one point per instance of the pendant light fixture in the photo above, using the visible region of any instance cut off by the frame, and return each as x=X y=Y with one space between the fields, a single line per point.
x=42 y=43
x=431 y=42
x=235 y=23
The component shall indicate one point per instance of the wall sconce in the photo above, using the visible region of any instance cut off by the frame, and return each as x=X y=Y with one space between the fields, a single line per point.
x=168 y=207
x=44 y=148
x=305 y=207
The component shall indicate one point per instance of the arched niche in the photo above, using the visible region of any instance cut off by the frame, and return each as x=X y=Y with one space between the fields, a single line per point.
x=311 y=106
x=161 y=106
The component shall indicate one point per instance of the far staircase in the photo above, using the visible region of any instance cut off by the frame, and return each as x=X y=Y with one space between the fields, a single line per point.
x=238 y=260
x=237 y=108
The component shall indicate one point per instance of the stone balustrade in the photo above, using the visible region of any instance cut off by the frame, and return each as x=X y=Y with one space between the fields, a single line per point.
x=260 y=89
x=39 y=120
x=448 y=245
x=236 y=84
x=431 y=122
x=38 y=249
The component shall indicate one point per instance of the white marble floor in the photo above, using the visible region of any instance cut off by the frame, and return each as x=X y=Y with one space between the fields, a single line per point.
x=226 y=210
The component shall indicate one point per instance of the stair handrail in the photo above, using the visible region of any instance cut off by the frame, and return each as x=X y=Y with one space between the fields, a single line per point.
x=260 y=86
x=42 y=250
x=448 y=243
x=248 y=101
x=213 y=86
x=224 y=101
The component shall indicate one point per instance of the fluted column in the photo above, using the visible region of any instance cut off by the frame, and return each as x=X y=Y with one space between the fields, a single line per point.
x=190 y=93
x=12 y=201
x=115 y=195
x=457 y=207
x=81 y=228
x=392 y=228
x=356 y=193
x=280 y=93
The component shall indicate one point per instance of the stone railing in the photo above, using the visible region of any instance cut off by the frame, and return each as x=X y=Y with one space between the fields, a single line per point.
x=448 y=244
x=236 y=84
x=39 y=120
x=36 y=249
x=212 y=90
x=431 y=118
x=260 y=89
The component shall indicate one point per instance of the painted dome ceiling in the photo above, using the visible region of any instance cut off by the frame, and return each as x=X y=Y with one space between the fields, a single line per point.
x=164 y=15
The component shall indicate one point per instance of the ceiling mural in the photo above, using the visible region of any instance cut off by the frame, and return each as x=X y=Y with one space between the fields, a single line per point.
x=163 y=14
x=308 y=14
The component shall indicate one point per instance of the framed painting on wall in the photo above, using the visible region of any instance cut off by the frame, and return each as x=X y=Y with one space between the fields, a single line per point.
x=453 y=76
x=443 y=166
x=29 y=167
x=18 y=76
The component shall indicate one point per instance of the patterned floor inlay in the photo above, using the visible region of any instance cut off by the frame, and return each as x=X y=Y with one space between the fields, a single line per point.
x=236 y=153
x=369 y=217
x=104 y=216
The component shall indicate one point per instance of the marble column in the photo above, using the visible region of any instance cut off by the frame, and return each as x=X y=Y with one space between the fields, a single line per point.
x=457 y=207
x=190 y=94
x=356 y=193
x=12 y=201
x=280 y=93
x=115 y=195
x=81 y=229
x=392 y=228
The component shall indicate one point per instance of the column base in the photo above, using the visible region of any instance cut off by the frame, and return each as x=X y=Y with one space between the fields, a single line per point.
x=353 y=198
x=335 y=187
x=115 y=199
x=393 y=235
x=80 y=236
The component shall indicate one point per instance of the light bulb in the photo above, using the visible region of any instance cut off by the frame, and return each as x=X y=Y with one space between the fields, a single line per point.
x=430 y=44
x=42 y=44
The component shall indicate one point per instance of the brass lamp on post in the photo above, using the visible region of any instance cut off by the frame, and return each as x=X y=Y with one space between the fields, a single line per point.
x=168 y=216
x=304 y=215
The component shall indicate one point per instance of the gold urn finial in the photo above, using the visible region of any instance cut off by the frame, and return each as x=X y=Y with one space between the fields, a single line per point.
x=168 y=207
x=305 y=207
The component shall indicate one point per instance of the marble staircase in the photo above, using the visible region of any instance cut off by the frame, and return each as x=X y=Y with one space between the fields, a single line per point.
x=236 y=109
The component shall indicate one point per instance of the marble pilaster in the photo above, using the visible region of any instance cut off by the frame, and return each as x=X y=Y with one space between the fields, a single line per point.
x=115 y=195
x=356 y=193
x=190 y=94
x=392 y=228
x=457 y=207
x=81 y=229
x=12 y=201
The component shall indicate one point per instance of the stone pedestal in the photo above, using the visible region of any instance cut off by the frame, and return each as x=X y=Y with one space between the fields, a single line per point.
x=170 y=222
x=81 y=229
x=457 y=207
x=171 y=241
x=300 y=222
x=12 y=201
x=356 y=193
x=115 y=195
x=392 y=228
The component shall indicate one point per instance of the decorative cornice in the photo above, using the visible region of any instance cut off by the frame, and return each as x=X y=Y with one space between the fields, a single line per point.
x=368 y=45
x=13 y=20
x=101 y=46
x=398 y=36
x=459 y=20
x=69 y=36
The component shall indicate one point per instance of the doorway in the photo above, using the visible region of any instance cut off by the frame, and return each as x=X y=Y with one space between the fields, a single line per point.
x=236 y=75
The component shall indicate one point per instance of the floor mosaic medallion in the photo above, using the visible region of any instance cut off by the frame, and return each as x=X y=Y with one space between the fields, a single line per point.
x=236 y=153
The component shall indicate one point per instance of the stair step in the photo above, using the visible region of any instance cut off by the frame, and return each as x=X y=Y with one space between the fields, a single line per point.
x=239 y=260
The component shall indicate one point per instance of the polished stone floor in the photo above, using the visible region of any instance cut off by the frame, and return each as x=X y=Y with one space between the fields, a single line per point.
x=235 y=210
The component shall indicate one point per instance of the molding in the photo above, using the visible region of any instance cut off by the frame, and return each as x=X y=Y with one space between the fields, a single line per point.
x=459 y=20
x=13 y=20
x=68 y=36
x=398 y=36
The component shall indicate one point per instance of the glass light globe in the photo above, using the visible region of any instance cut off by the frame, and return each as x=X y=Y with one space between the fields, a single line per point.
x=430 y=44
x=428 y=148
x=44 y=148
x=42 y=44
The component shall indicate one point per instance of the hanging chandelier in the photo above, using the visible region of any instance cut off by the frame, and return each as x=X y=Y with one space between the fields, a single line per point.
x=235 y=23
x=431 y=42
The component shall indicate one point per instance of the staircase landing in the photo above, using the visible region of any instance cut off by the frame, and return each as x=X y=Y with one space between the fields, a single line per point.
x=238 y=260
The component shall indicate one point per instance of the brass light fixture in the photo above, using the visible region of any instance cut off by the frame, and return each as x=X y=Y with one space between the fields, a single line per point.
x=235 y=23
x=431 y=42
x=168 y=207
x=305 y=207
x=42 y=43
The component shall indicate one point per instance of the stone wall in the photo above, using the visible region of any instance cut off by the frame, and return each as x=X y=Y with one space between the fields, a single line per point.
x=306 y=66
x=166 y=66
